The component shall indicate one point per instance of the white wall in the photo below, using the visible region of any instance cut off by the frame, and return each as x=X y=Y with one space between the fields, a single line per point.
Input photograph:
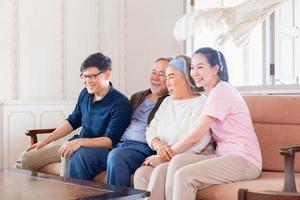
x=149 y=35
x=7 y=79
x=43 y=43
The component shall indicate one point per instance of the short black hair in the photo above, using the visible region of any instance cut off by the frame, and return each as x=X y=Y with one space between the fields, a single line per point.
x=98 y=60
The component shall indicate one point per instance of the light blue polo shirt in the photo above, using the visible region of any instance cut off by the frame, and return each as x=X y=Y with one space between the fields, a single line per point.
x=138 y=124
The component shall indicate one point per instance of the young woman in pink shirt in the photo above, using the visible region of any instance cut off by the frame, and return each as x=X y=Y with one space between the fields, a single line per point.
x=237 y=155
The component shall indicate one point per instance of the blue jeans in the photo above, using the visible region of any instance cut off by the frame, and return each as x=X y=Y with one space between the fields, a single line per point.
x=123 y=160
x=87 y=162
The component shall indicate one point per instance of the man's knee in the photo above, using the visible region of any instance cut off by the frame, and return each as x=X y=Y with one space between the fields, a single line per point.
x=78 y=157
x=25 y=162
x=88 y=156
x=115 y=156
x=35 y=159
x=116 y=161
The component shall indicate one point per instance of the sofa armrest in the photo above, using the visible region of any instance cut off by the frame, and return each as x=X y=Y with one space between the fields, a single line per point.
x=289 y=167
x=34 y=132
x=292 y=149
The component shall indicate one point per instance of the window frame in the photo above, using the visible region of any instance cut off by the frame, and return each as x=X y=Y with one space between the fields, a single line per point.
x=268 y=85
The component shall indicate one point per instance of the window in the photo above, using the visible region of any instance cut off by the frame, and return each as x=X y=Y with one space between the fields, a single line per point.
x=270 y=62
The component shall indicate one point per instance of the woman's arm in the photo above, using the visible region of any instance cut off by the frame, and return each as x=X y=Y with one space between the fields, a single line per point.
x=195 y=135
x=156 y=143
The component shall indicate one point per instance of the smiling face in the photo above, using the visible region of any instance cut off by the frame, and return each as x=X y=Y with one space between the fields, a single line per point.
x=94 y=80
x=158 y=85
x=203 y=74
x=176 y=82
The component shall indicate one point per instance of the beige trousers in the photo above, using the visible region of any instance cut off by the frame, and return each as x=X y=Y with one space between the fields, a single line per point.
x=152 y=179
x=34 y=160
x=186 y=173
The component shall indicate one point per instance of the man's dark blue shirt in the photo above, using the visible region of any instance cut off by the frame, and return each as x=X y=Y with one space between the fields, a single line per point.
x=107 y=117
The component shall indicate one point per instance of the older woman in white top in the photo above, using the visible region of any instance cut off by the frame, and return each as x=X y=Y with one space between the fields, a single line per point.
x=173 y=121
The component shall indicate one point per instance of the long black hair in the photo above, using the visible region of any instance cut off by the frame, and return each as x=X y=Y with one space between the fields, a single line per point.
x=215 y=57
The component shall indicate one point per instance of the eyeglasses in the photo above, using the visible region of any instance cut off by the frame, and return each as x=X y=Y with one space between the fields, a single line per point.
x=90 y=76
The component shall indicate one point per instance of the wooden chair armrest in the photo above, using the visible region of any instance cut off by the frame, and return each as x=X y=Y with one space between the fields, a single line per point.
x=292 y=149
x=244 y=194
x=34 y=132
x=289 y=167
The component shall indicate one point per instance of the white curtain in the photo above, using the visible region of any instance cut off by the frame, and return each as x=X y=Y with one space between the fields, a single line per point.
x=230 y=22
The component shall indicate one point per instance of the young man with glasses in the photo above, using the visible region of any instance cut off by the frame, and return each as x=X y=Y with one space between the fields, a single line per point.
x=101 y=111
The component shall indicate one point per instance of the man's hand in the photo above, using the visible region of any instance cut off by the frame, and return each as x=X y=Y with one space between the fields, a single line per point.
x=153 y=160
x=69 y=147
x=165 y=152
x=37 y=145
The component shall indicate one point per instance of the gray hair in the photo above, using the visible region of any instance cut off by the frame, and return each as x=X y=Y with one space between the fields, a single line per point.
x=187 y=68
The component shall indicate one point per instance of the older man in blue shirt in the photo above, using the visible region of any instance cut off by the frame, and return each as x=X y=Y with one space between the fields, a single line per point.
x=131 y=152
x=101 y=111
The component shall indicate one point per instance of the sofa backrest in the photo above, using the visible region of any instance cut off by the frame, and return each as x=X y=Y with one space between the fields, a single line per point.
x=276 y=121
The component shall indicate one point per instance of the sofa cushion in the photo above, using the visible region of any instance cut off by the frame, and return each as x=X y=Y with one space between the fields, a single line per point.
x=273 y=136
x=270 y=109
x=277 y=123
x=273 y=181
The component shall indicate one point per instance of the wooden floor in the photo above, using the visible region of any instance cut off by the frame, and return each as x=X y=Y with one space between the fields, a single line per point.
x=22 y=184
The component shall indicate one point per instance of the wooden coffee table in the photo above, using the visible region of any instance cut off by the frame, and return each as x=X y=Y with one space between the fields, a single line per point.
x=22 y=184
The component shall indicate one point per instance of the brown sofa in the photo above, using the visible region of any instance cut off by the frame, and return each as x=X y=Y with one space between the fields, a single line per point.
x=276 y=121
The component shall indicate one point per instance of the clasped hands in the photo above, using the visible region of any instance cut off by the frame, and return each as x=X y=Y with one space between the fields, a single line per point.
x=164 y=154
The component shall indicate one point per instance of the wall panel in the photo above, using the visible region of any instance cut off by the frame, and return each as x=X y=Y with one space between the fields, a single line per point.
x=149 y=35
x=40 y=49
x=80 y=35
x=7 y=81
x=16 y=117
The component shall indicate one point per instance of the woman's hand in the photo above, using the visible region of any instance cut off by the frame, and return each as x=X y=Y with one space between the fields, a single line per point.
x=165 y=152
x=153 y=161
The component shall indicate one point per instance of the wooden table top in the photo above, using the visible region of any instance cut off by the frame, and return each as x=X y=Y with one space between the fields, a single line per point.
x=22 y=184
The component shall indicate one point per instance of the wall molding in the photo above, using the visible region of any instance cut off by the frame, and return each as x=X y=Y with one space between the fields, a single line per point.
x=7 y=134
x=122 y=46
x=100 y=21
x=28 y=116
x=64 y=88
x=14 y=40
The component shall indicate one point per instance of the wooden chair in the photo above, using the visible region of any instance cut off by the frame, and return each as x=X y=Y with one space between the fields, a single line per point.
x=244 y=194
x=289 y=167
x=289 y=191
x=34 y=132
